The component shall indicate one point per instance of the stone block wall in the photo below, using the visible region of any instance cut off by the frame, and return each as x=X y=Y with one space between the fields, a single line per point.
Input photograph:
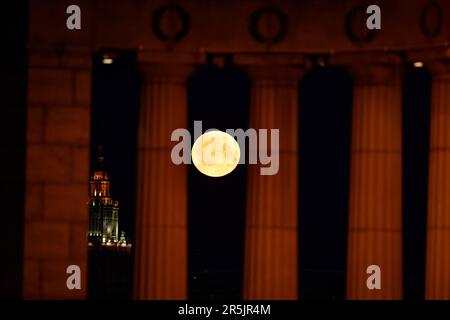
x=57 y=171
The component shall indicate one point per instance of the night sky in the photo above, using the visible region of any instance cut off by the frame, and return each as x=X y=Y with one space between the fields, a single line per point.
x=216 y=226
x=325 y=100
x=115 y=107
x=219 y=97
x=416 y=136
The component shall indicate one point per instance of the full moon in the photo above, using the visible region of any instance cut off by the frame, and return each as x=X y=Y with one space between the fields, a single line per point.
x=215 y=153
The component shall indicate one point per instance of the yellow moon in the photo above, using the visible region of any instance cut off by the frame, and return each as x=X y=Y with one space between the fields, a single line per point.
x=215 y=153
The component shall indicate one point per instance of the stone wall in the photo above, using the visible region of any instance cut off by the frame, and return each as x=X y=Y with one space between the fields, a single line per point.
x=57 y=169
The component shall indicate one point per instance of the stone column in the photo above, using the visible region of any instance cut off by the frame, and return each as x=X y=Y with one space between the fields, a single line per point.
x=437 y=285
x=270 y=263
x=57 y=172
x=161 y=218
x=375 y=210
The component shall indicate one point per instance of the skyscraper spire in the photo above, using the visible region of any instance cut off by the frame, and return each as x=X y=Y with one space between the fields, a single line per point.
x=100 y=158
x=103 y=210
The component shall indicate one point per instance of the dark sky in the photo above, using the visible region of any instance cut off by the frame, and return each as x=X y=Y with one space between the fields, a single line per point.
x=219 y=97
x=416 y=135
x=216 y=226
x=115 y=106
x=325 y=100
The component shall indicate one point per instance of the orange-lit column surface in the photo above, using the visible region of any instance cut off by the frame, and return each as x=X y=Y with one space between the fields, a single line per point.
x=375 y=211
x=270 y=264
x=161 y=216
x=438 y=230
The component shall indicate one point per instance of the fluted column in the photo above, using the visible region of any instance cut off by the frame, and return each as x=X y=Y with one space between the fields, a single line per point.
x=437 y=285
x=270 y=264
x=375 y=210
x=161 y=217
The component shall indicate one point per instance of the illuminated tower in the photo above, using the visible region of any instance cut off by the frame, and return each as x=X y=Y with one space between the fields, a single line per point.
x=103 y=210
